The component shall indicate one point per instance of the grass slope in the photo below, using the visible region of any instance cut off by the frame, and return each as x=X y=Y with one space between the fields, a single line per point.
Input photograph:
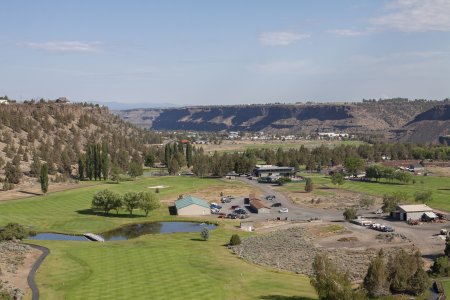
x=172 y=266
x=69 y=211
x=169 y=266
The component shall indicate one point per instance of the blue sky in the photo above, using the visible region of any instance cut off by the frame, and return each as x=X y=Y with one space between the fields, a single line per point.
x=225 y=52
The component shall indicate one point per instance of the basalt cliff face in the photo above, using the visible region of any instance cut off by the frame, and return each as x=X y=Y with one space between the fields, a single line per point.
x=409 y=121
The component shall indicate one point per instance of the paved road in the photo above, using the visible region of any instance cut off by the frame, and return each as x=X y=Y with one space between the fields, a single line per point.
x=31 y=276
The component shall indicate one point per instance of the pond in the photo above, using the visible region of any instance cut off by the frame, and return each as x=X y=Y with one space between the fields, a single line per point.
x=131 y=231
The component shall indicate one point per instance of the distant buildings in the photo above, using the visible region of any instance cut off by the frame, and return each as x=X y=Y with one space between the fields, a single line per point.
x=4 y=101
x=271 y=170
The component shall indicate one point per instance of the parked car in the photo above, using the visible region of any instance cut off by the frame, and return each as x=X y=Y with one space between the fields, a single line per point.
x=221 y=215
x=240 y=211
x=214 y=205
x=235 y=206
x=270 y=197
x=215 y=210
x=232 y=216
x=388 y=229
x=283 y=210
x=278 y=204
x=243 y=216
x=225 y=200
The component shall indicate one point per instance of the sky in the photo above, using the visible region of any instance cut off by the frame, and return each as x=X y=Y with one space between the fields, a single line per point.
x=203 y=52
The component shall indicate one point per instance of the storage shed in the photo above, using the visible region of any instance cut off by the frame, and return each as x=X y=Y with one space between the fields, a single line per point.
x=259 y=207
x=247 y=226
x=192 y=206
x=413 y=212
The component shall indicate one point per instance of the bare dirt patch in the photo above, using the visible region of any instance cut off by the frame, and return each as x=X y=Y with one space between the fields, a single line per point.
x=212 y=193
x=327 y=198
x=16 y=261
x=33 y=188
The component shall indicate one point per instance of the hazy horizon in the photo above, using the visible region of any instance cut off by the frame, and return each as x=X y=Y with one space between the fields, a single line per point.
x=207 y=53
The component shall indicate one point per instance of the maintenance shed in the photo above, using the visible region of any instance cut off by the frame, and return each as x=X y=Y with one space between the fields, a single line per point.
x=413 y=212
x=259 y=207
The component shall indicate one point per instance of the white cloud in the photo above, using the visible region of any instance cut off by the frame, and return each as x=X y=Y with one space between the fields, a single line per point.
x=281 y=38
x=66 y=46
x=345 y=32
x=416 y=16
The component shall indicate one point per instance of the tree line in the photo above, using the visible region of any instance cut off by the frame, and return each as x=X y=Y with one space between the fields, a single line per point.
x=399 y=273
x=107 y=200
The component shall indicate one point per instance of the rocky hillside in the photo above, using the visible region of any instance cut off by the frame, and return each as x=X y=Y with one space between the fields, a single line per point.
x=386 y=117
x=56 y=133
x=430 y=125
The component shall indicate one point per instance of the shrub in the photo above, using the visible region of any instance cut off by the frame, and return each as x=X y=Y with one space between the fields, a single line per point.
x=13 y=231
x=350 y=213
x=235 y=240
x=205 y=234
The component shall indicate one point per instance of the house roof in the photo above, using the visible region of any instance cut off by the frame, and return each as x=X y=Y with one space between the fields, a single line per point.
x=258 y=204
x=189 y=200
x=415 y=208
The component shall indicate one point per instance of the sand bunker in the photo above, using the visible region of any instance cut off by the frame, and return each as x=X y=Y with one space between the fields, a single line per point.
x=157 y=187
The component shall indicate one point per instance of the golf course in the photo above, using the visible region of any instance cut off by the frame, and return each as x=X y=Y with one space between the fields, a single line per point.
x=154 y=266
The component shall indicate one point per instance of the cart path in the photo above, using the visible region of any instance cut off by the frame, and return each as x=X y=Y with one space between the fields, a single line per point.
x=31 y=276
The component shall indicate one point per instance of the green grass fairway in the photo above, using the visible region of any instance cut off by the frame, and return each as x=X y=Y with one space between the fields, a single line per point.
x=440 y=186
x=69 y=211
x=160 y=266
x=171 y=266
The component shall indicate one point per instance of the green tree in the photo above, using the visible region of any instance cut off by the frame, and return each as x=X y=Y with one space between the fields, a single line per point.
x=189 y=154
x=115 y=173
x=406 y=273
x=43 y=178
x=350 y=213
x=447 y=246
x=337 y=179
x=148 y=201
x=423 y=196
x=12 y=173
x=330 y=283
x=441 y=267
x=353 y=165
x=135 y=169
x=105 y=161
x=390 y=201
x=149 y=160
x=174 y=167
x=81 y=167
x=205 y=233
x=131 y=201
x=376 y=281
x=105 y=200
x=309 y=186
x=35 y=166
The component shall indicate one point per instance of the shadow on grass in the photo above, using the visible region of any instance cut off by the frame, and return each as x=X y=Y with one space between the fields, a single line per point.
x=279 y=297
x=198 y=240
x=30 y=193
x=110 y=215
